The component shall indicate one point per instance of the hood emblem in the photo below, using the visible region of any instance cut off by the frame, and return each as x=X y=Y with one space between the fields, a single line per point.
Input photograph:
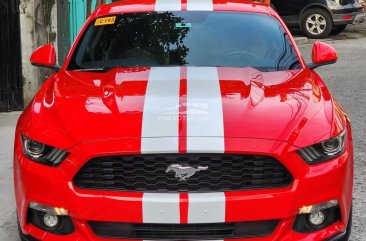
x=184 y=172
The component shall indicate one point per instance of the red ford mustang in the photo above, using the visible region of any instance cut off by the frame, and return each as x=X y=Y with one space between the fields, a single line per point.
x=192 y=120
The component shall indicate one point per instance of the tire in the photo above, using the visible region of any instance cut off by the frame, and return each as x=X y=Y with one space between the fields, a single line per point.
x=338 y=29
x=316 y=23
x=349 y=229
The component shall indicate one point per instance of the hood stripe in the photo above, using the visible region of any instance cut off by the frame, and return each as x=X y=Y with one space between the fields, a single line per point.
x=161 y=111
x=161 y=208
x=168 y=5
x=200 y=5
x=206 y=207
x=204 y=111
x=178 y=5
x=183 y=208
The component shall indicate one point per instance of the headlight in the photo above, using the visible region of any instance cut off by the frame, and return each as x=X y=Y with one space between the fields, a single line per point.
x=324 y=151
x=42 y=153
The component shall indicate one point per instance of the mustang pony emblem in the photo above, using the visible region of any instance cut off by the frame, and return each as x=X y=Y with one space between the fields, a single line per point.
x=184 y=172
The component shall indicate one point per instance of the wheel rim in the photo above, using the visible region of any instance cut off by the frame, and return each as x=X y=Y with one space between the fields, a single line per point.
x=316 y=24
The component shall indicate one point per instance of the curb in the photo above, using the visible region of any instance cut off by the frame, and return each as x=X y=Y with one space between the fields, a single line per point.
x=301 y=40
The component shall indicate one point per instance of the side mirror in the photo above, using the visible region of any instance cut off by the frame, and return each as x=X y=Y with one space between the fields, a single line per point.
x=323 y=54
x=45 y=56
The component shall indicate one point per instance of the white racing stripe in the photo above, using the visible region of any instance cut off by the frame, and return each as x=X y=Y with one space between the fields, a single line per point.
x=206 y=208
x=168 y=5
x=200 y=5
x=161 y=111
x=160 y=208
x=205 y=124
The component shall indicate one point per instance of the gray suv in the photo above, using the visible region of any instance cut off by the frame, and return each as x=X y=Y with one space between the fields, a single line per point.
x=319 y=18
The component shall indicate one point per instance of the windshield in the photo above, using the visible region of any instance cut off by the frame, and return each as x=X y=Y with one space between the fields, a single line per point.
x=219 y=39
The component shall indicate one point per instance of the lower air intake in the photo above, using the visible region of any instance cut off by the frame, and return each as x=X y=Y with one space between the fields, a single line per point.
x=184 y=231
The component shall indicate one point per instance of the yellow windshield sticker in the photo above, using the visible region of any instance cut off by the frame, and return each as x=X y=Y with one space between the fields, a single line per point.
x=105 y=21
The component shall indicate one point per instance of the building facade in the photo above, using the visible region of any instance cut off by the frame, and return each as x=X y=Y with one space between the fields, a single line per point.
x=27 y=25
x=38 y=24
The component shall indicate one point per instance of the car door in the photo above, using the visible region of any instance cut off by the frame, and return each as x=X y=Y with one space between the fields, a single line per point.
x=289 y=7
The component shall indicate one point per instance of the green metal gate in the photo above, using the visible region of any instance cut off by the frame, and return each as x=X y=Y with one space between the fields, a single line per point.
x=11 y=84
x=77 y=10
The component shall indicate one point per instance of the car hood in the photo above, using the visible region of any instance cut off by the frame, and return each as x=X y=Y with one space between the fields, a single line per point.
x=75 y=107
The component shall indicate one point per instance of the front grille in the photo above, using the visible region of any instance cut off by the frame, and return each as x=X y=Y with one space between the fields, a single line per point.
x=147 y=173
x=184 y=231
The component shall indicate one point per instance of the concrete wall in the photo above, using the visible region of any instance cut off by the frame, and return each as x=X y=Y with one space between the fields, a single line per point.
x=38 y=23
x=63 y=29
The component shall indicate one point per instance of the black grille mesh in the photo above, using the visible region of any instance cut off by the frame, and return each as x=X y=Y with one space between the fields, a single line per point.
x=184 y=231
x=147 y=173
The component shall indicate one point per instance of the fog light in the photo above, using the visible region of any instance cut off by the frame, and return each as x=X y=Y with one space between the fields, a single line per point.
x=50 y=220
x=318 y=207
x=48 y=209
x=317 y=218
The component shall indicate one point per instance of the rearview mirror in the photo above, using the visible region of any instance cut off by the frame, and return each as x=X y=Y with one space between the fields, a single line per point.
x=323 y=54
x=45 y=56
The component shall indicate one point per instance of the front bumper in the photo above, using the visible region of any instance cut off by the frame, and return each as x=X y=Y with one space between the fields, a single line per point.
x=337 y=237
x=312 y=185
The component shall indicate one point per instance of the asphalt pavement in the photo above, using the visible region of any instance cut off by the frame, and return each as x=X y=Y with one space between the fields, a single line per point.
x=346 y=80
x=8 y=228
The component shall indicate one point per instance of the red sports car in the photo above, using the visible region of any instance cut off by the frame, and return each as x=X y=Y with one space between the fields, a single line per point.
x=184 y=120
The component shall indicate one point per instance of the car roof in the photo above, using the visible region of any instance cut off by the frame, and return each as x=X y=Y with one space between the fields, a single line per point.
x=133 y=6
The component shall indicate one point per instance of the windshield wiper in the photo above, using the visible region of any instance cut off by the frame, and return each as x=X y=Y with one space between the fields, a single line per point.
x=100 y=69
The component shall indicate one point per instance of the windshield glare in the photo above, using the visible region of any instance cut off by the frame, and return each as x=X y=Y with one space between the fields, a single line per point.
x=220 y=39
